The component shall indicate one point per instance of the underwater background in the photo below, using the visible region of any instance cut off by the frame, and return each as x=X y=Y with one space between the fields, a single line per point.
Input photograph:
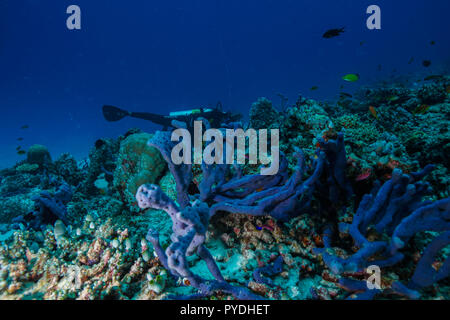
x=159 y=56
x=364 y=130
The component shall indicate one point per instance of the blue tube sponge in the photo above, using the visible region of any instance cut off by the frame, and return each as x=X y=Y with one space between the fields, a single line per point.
x=397 y=211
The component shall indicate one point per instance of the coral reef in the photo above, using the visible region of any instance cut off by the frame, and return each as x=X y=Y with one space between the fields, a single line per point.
x=256 y=195
x=349 y=196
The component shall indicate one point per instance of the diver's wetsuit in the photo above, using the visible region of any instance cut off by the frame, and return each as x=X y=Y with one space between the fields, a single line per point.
x=215 y=116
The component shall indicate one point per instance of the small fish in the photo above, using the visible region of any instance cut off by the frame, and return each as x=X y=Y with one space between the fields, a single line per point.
x=433 y=42
x=269 y=228
x=422 y=109
x=361 y=43
x=411 y=60
x=393 y=98
x=21 y=152
x=373 y=111
x=379 y=67
x=18 y=148
x=345 y=95
x=20 y=139
x=333 y=33
x=314 y=88
x=24 y=126
x=426 y=63
x=351 y=77
x=364 y=175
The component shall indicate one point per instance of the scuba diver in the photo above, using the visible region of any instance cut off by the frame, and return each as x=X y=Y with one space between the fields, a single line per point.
x=215 y=116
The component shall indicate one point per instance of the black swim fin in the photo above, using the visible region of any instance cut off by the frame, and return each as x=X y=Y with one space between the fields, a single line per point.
x=113 y=114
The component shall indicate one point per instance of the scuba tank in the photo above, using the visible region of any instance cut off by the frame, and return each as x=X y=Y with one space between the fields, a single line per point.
x=188 y=113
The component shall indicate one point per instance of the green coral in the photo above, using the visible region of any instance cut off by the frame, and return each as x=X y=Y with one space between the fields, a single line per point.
x=137 y=164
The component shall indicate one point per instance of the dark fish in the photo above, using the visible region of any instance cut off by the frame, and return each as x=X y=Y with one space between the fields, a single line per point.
x=25 y=126
x=18 y=148
x=345 y=94
x=422 y=109
x=426 y=63
x=411 y=60
x=314 y=88
x=333 y=33
x=20 y=139
x=434 y=77
x=433 y=43
x=379 y=67
x=21 y=152
x=361 y=43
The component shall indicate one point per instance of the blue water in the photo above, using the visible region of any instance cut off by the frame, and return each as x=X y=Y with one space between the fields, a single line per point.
x=161 y=56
